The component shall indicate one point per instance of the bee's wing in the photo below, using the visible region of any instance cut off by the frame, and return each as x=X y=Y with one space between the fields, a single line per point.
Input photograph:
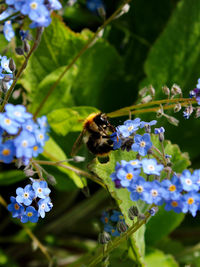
x=78 y=143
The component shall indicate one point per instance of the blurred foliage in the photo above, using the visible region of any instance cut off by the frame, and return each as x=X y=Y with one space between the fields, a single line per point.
x=156 y=43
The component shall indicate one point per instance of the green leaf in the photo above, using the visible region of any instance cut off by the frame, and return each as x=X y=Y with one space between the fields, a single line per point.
x=66 y=120
x=11 y=177
x=158 y=258
x=85 y=83
x=53 y=152
x=174 y=58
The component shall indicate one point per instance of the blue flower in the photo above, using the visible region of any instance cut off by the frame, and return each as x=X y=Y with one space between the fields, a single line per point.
x=24 y=144
x=29 y=126
x=117 y=142
x=41 y=136
x=126 y=174
x=43 y=123
x=24 y=35
x=7 y=151
x=198 y=83
x=138 y=189
x=129 y=127
x=54 y=5
x=196 y=174
x=150 y=166
x=5 y=64
x=8 y=12
x=188 y=181
x=142 y=144
x=190 y=202
x=144 y=123
x=135 y=163
x=25 y=195
x=8 y=31
x=174 y=205
x=41 y=189
x=159 y=130
x=116 y=216
x=112 y=230
x=172 y=188
x=155 y=193
x=105 y=218
x=17 y=113
x=17 y=3
x=45 y=205
x=9 y=125
x=16 y=208
x=94 y=5
x=31 y=214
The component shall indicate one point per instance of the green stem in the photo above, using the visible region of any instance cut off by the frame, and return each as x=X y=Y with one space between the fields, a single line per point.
x=126 y=110
x=81 y=52
x=34 y=47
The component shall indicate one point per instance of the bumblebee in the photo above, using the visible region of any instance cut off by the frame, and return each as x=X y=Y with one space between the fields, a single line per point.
x=96 y=134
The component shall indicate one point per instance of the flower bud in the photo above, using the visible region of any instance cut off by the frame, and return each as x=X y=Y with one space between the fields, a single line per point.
x=133 y=212
x=153 y=211
x=176 y=90
x=78 y=159
x=122 y=227
x=143 y=92
x=152 y=91
x=177 y=107
x=12 y=65
x=197 y=115
x=166 y=90
x=26 y=46
x=160 y=112
x=172 y=120
x=141 y=216
x=146 y=99
x=29 y=172
x=51 y=179
x=103 y=238
x=19 y=51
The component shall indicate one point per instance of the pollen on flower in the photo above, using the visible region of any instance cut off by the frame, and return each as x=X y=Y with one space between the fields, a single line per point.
x=33 y=5
x=172 y=188
x=154 y=193
x=16 y=206
x=29 y=214
x=41 y=136
x=134 y=163
x=129 y=176
x=7 y=121
x=106 y=220
x=6 y=152
x=142 y=144
x=188 y=181
x=24 y=143
x=35 y=148
x=190 y=201
x=39 y=190
x=130 y=128
x=139 y=189
x=174 y=203
x=26 y=195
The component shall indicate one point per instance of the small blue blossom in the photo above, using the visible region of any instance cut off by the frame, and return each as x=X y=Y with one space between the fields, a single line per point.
x=9 y=125
x=174 y=205
x=105 y=218
x=7 y=13
x=138 y=189
x=155 y=193
x=172 y=188
x=198 y=83
x=17 y=113
x=43 y=123
x=25 y=195
x=41 y=136
x=144 y=123
x=117 y=142
x=188 y=181
x=7 y=151
x=150 y=166
x=31 y=214
x=5 y=64
x=24 y=144
x=16 y=208
x=142 y=144
x=129 y=127
x=45 y=205
x=126 y=174
x=153 y=211
x=159 y=130
x=41 y=189
x=116 y=216
x=24 y=35
x=112 y=230
x=54 y=5
x=94 y=5
x=190 y=202
x=8 y=31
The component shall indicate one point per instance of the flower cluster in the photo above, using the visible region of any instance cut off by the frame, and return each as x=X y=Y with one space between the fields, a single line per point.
x=31 y=202
x=180 y=194
x=38 y=11
x=20 y=136
x=125 y=136
x=110 y=222
x=6 y=75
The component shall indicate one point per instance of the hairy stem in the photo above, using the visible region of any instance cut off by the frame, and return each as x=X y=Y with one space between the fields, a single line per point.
x=88 y=44
x=20 y=71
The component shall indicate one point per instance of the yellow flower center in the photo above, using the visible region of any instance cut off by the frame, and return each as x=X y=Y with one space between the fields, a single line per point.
x=35 y=148
x=29 y=127
x=130 y=128
x=154 y=193
x=172 y=188
x=41 y=136
x=106 y=220
x=39 y=190
x=16 y=206
x=7 y=121
x=24 y=143
x=113 y=230
x=6 y=152
x=29 y=214
x=26 y=195
x=174 y=204
x=129 y=176
x=33 y=5
x=139 y=189
x=190 y=201
x=134 y=162
x=142 y=144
